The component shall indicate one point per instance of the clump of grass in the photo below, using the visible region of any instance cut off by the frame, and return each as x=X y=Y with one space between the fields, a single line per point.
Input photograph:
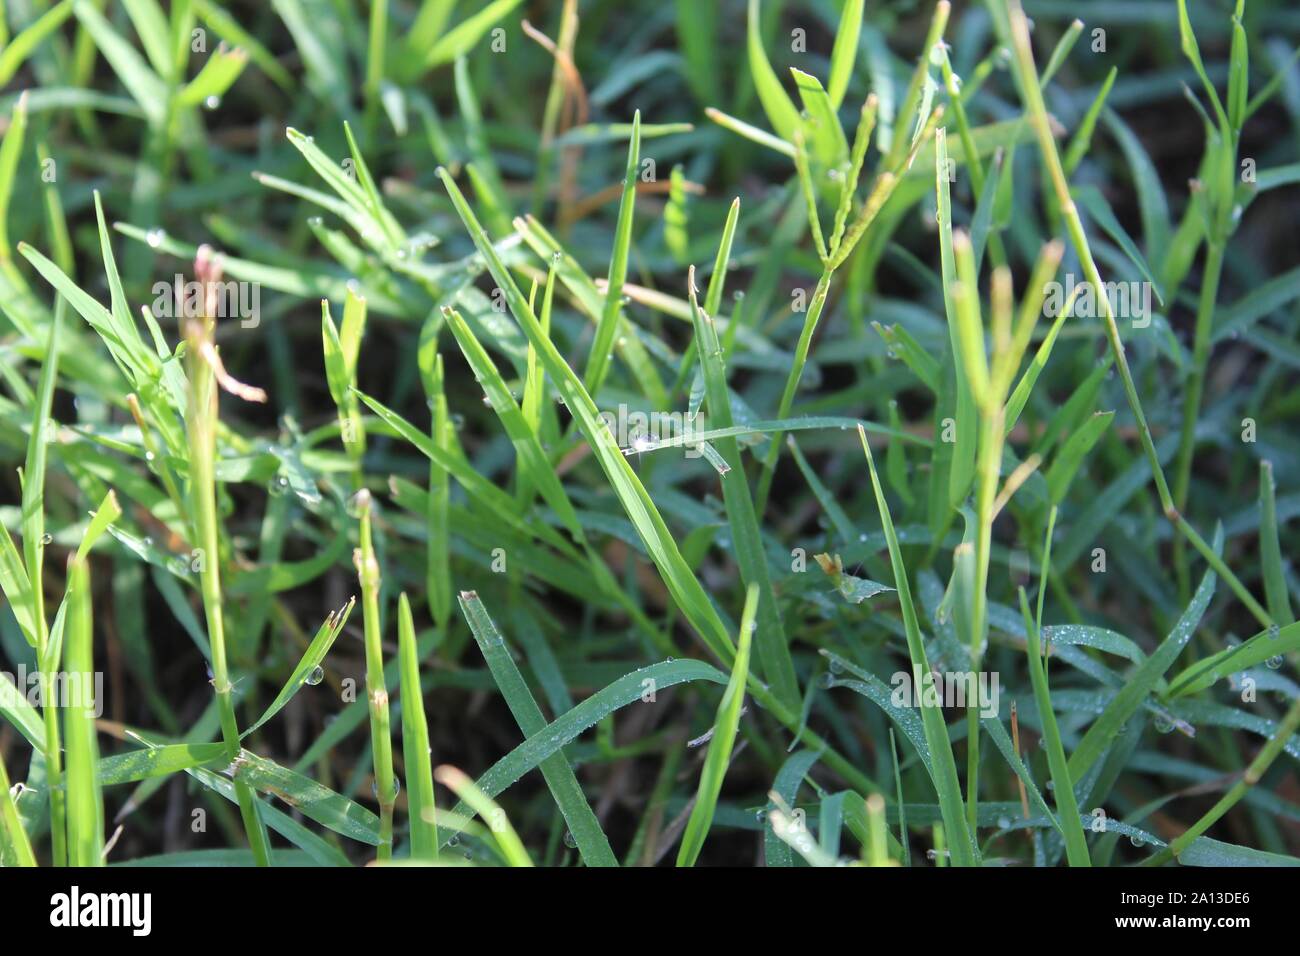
x=869 y=244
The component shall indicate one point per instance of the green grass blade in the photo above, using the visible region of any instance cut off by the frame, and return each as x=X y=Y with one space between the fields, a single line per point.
x=1276 y=593
x=306 y=671
x=1076 y=846
x=560 y=779
x=659 y=541
x=776 y=102
x=85 y=806
x=845 y=51
x=936 y=733
x=725 y=726
x=1145 y=678
x=420 y=804
x=607 y=327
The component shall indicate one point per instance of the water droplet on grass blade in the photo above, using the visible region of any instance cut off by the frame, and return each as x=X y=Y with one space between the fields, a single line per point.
x=570 y=840
x=155 y=237
x=314 y=676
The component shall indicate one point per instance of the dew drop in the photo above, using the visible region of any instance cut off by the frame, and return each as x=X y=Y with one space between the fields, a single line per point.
x=212 y=102
x=1163 y=724
x=155 y=237
x=277 y=486
x=570 y=840
x=316 y=675
x=47 y=538
x=1274 y=663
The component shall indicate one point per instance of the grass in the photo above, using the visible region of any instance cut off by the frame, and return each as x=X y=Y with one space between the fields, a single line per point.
x=524 y=315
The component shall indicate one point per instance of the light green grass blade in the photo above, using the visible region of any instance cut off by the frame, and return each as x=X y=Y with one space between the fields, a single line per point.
x=420 y=804
x=607 y=327
x=507 y=840
x=85 y=806
x=560 y=778
x=780 y=111
x=962 y=473
x=822 y=127
x=936 y=733
x=306 y=670
x=725 y=726
x=20 y=47
x=14 y=842
x=845 y=51
x=1067 y=461
x=461 y=38
x=1264 y=646
x=442 y=436
x=148 y=762
x=534 y=465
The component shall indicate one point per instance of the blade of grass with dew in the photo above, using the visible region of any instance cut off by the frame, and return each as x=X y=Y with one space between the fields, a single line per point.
x=309 y=665
x=1264 y=646
x=936 y=732
x=565 y=728
x=330 y=809
x=560 y=779
x=725 y=726
x=149 y=762
x=1145 y=678
x=659 y=541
